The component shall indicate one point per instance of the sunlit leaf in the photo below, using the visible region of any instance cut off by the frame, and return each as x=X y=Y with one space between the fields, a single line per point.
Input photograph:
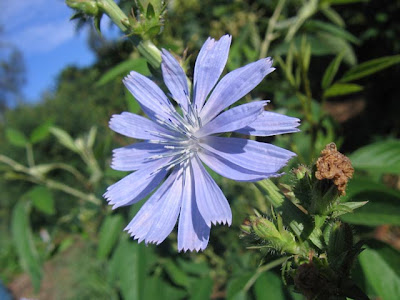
x=382 y=157
x=41 y=132
x=380 y=274
x=16 y=137
x=42 y=199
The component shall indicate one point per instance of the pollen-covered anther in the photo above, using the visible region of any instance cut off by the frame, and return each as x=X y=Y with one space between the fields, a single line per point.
x=335 y=166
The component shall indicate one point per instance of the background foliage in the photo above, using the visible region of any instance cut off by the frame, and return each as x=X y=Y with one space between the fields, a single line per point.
x=337 y=61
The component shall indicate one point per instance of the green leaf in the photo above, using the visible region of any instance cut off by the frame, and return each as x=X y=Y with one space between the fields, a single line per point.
x=269 y=286
x=380 y=157
x=176 y=274
x=380 y=210
x=235 y=289
x=64 y=138
x=340 y=89
x=201 y=288
x=335 y=30
x=129 y=266
x=150 y=11
x=194 y=268
x=110 y=231
x=42 y=199
x=138 y=64
x=370 y=67
x=347 y=207
x=333 y=16
x=23 y=240
x=380 y=275
x=331 y=71
x=16 y=137
x=41 y=132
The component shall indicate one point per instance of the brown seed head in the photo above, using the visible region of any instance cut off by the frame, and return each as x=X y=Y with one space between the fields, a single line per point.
x=335 y=166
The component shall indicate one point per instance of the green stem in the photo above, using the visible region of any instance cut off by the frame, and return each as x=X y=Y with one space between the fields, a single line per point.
x=48 y=182
x=29 y=155
x=263 y=269
x=145 y=48
x=269 y=34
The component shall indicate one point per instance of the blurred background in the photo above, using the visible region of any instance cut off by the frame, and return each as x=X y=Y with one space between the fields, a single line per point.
x=60 y=81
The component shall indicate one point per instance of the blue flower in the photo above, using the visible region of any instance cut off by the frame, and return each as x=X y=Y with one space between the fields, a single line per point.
x=175 y=147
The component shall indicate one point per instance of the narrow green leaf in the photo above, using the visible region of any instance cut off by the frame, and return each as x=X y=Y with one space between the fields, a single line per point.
x=23 y=241
x=40 y=132
x=16 y=137
x=340 y=89
x=333 y=16
x=334 y=2
x=370 y=67
x=332 y=29
x=64 y=138
x=110 y=231
x=331 y=71
x=269 y=286
x=42 y=199
x=387 y=286
x=380 y=157
x=139 y=65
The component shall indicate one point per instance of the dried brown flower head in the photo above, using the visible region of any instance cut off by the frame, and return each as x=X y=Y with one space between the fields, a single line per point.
x=335 y=166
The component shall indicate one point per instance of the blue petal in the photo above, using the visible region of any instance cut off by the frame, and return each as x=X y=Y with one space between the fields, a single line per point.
x=233 y=118
x=248 y=154
x=150 y=97
x=141 y=224
x=136 y=186
x=135 y=156
x=230 y=170
x=211 y=202
x=175 y=79
x=193 y=232
x=138 y=127
x=167 y=212
x=270 y=123
x=234 y=86
x=208 y=68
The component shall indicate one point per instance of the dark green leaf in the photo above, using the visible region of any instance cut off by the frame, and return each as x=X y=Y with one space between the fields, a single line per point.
x=110 y=231
x=340 y=89
x=176 y=274
x=150 y=11
x=16 y=137
x=235 y=289
x=379 y=210
x=370 y=67
x=23 y=241
x=42 y=199
x=331 y=71
x=380 y=275
x=195 y=268
x=139 y=65
x=382 y=157
x=201 y=288
x=268 y=286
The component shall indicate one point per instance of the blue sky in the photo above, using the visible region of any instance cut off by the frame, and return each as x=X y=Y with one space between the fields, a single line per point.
x=41 y=30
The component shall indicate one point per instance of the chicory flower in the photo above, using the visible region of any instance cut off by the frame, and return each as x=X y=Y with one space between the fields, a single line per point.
x=175 y=146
